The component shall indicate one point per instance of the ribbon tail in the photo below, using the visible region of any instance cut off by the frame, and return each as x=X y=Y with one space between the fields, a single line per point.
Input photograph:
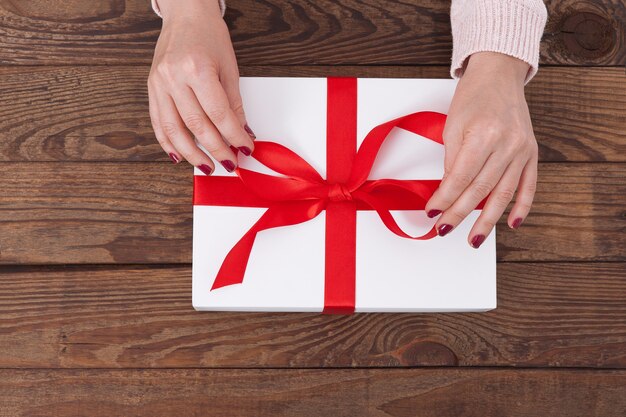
x=233 y=267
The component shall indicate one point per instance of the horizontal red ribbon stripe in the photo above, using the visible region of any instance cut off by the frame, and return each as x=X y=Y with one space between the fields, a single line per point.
x=231 y=192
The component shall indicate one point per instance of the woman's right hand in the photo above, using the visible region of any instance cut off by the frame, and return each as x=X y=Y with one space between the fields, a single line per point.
x=193 y=87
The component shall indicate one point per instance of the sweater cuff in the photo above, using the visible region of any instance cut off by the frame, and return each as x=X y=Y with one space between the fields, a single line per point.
x=156 y=9
x=511 y=27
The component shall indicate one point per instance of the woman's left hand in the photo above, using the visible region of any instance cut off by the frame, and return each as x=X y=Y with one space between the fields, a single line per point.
x=489 y=148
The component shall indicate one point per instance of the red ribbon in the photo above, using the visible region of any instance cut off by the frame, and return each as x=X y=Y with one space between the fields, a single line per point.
x=302 y=194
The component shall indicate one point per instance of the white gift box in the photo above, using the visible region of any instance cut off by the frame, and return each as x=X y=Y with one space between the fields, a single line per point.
x=286 y=268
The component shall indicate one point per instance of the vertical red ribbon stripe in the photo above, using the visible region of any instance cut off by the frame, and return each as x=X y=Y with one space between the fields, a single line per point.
x=341 y=140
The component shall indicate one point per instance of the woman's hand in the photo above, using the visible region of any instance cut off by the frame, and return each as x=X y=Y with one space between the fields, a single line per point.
x=490 y=148
x=193 y=87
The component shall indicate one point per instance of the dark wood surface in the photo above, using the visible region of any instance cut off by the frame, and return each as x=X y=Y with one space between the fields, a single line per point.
x=125 y=212
x=287 y=393
x=95 y=231
x=548 y=315
x=101 y=113
x=295 y=32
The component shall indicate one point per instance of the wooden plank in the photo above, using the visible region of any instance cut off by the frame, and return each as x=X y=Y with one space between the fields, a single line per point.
x=295 y=32
x=86 y=213
x=77 y=32
x=308 y=393
x=548 y=315
x=585 y=33
x=101 y=114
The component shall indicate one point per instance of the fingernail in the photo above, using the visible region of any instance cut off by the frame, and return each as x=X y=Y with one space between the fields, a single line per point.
x=517 y=223
x=228 y=164
x=205 y=168
x=444 y=229
x=249 y=131
x=175 y=159
x=433 y=213
x=477 y=241
x=245 y=150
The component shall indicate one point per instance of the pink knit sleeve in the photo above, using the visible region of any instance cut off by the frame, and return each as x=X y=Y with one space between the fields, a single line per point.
x=511 y=27
x=156 y=9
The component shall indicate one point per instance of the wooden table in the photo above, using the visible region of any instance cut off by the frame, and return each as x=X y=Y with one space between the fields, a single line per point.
x=95 y=231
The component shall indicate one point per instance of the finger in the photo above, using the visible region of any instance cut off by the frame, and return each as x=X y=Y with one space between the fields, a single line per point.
x=176 y=132
x=158 y=132
x=496 y=204
x=230 y=82
x=478 y=189
x=452 y=144
x=204 y=131
x=525 y=194
x=215 y=104
x=469 y=161
x=452 y=141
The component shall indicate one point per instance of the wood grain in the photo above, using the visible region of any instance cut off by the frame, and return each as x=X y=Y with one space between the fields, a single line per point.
x=82 y=213
x=341 y=393
x=585 y=33
x=296 y=32
x=101 y=114
x=548 y=315
x=77 y=32
x=85 y=183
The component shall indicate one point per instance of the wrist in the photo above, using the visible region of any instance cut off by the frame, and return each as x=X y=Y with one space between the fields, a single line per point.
x=498 y=64
x=185 y=10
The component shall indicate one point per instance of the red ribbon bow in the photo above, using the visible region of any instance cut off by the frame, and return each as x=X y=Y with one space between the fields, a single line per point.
x=302 y=194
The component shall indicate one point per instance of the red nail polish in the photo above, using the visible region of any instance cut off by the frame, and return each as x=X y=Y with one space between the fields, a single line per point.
x=205 y=168
x=228 y=164
x=175 y=159
x=477 y=241
x=433 y=213
x=444 y=229
x=249 y=132
x=245 y=150
x=517 y=223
